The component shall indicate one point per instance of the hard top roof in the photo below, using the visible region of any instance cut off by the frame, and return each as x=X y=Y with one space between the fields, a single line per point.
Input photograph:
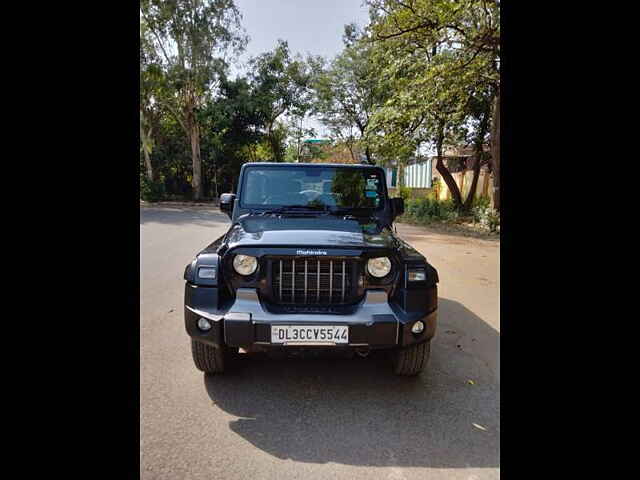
x=285 y=164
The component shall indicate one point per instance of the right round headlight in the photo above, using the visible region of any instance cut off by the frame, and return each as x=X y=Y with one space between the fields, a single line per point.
x=245 y=264
x=379 y=267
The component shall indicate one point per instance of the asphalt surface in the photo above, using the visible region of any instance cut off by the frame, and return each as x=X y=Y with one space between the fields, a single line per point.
x=319 y=418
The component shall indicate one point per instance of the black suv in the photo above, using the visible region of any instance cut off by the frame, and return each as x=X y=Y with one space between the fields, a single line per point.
x=310 y=262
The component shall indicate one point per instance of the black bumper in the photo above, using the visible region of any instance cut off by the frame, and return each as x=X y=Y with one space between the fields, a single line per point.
x=376 y=323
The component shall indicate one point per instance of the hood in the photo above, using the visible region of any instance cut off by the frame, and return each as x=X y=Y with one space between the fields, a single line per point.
x=308 y=232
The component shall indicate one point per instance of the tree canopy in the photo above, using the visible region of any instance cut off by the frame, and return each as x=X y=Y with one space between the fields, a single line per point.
x=420 y=73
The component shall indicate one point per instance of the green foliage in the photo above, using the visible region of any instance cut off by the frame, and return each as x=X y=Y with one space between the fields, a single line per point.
x=183 y=49
x=421 y=72
x=151 y=191
x=439 y=62
x=404 y=193
x=485 y=215
x=281 y=84
x=296 y=134
x=427 y=210
x=347 y=92
x=315 y=152
x=481 y=202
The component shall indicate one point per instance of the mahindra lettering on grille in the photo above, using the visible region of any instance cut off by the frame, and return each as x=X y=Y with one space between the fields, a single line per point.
x=313 y=281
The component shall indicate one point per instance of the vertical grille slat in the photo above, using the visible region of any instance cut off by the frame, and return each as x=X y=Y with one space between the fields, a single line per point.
x=343 y=278
x=330 y=280
x=296 y=280
x=280 y=282
x=305 y=281
x=293 y=281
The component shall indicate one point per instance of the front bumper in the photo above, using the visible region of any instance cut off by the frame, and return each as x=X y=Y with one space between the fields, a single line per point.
x=375 y=323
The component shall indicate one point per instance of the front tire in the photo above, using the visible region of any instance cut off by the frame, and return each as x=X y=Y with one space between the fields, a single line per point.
x=411 y=360
x=210 y=359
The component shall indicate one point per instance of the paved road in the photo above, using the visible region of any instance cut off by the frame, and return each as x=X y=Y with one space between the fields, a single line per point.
x=319 y=419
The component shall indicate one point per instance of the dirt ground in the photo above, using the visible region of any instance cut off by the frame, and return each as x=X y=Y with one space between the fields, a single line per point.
x=469 y=270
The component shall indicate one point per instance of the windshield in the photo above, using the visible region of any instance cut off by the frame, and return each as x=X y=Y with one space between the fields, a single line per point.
x=314 y=187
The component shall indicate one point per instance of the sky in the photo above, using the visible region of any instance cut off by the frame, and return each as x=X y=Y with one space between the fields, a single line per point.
x=309 y=26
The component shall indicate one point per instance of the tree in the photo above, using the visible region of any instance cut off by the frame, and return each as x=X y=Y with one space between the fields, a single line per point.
x=281 y=87
x=427 y=105
x=149 y=112
x=347 y=92
x=233 y=123
x=440 y=52
x=297 y=132
x=190 y=39
x=479 y=109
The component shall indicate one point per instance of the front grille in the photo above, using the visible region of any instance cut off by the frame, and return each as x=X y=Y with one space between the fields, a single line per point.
x=313 y=281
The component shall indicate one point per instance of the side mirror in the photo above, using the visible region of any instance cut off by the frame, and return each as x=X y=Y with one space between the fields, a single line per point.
x=226 y=203
x=397 y=207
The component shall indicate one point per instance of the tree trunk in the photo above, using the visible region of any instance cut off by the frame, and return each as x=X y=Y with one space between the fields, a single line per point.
x=147 y=162
x=196 y=179
x=367 y=152
x=479 y=140
x=495 y=151
x=350 y=147
x=468 y=202
x=147 y=158
x=446 y=175
x=277 y=154
x=215 y=181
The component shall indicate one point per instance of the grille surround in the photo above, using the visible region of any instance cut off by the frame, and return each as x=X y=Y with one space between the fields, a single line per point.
x=322 y=281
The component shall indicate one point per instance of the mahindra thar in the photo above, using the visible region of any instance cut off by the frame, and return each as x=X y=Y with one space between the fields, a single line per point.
x=310 y=262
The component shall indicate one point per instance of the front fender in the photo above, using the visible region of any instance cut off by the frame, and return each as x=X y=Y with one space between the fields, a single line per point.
x=203 y=260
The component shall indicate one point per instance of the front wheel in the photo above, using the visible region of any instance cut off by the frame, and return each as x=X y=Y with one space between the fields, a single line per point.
x=210 y=359
x=411 y=360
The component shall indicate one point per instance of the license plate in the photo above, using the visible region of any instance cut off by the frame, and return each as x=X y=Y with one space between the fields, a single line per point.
x=326 y=334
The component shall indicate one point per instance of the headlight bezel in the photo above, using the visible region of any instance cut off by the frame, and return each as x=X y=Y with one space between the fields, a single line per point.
x=389 y=267
x=242 y=273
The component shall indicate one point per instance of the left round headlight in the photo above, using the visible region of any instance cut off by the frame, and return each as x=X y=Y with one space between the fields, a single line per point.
x=245 y=264
x=379 y=267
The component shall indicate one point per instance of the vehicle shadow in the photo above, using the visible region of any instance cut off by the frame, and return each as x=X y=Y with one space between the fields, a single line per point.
x=356 y=412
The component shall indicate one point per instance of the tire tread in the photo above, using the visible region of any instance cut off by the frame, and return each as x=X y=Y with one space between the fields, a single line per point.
x=411 y=360
x=208 y=359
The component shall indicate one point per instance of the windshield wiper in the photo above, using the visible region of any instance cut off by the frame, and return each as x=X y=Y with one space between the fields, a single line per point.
x=295 y=209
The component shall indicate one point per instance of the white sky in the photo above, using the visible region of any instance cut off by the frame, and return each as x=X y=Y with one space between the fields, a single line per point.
x=309 y=26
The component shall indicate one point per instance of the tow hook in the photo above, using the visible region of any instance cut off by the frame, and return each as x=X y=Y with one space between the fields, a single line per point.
x=363 y=351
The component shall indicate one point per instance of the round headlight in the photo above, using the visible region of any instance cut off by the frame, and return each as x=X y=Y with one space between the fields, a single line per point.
x=245 y=264
x=379 y=267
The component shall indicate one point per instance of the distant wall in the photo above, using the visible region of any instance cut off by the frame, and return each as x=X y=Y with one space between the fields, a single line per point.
x=463 y=180
x=418 y=175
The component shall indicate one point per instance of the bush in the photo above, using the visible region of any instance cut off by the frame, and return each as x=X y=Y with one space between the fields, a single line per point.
x=428 y=209
x=404 y=193
x=482 y=201
x=486 y=216
x=151 y=191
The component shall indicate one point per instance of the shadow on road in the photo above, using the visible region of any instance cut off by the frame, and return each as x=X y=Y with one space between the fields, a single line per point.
x=356 y=412
x=182 y=216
